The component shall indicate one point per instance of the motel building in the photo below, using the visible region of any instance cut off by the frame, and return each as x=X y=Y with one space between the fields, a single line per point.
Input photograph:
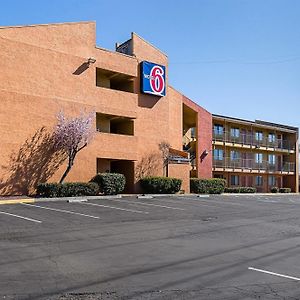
x=58 y=67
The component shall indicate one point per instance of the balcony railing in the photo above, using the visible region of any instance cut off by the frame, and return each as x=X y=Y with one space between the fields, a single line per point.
x=252 y=164
x=250 y=139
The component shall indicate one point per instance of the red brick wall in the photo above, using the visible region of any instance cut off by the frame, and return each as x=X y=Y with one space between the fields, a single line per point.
x=204 y=139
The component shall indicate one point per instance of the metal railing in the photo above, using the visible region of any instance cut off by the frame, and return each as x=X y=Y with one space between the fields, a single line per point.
x=252 y=164
x=250 y=139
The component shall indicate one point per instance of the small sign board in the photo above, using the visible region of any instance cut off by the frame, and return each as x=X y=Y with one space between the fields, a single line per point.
x=153 y=79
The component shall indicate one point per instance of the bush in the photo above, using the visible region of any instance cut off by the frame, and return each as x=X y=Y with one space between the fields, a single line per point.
x=110 y=183
x=274 y=189
x=241 y=190
x=284 y=190
x=247 y=190
x=70 y=189
x=161 y=185
x=207 y=186
x=232 y=190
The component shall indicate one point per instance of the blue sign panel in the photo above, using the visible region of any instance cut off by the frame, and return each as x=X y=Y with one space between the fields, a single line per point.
x=153 y=79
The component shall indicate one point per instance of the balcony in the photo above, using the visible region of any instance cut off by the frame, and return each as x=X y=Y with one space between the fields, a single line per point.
x=251 y=165
x=249 y=140
x=116 y=102
x=115 y=146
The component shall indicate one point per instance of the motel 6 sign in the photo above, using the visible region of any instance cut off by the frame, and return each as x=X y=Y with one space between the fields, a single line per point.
x=153 y=79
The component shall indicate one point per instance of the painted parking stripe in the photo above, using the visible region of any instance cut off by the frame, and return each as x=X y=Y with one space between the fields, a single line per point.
x=20 y=217
x=181 y=202
x=147 y=204
x=210 y=202
x=274 y=274
x=62 y=211
x=118 y=208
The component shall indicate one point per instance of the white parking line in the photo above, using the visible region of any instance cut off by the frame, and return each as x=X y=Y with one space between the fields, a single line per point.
x=20 y=217
x=118 y=208
x=201 y=201
x=61 y=210
x=147 y=204
x=274 y=274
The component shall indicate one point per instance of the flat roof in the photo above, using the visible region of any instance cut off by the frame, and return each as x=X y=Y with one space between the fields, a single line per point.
x=259 y=123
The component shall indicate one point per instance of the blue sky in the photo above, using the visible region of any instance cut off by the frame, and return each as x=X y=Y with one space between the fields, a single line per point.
x=234 y=57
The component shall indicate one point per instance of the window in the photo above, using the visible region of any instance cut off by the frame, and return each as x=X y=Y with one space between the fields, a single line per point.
x=272 y=181
x=218 y=154
x=271 y=159
x=234 y=180
x=258 y=180
x=258 y=135
x=113 y=80
x=218 y=129
x=235 y=132
x=258 y=158
x=271 y=138
x=234 y=155
x=114 y=124
x=193 y=132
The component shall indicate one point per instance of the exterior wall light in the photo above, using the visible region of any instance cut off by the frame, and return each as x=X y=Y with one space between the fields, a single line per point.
x=91 y=60
x=204 y=154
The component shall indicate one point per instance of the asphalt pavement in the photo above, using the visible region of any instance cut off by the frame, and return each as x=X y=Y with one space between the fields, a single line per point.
x=216 y=247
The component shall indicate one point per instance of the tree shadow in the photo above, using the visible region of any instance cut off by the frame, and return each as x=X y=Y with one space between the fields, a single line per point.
x=36 y=161
x=148 y=166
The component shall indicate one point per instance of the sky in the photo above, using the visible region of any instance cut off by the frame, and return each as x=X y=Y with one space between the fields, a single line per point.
x=239 y=58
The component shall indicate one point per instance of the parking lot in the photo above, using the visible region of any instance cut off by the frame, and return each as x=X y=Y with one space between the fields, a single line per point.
x=180 y=247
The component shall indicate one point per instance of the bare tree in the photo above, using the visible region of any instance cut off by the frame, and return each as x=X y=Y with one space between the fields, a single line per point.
x=71 y=135
x=164 y=148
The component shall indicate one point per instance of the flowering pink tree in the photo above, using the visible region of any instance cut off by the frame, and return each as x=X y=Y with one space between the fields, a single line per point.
x=71 y=135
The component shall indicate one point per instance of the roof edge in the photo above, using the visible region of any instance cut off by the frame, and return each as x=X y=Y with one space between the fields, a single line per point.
x=134 y=33
x=48 y=24
x=259 y=123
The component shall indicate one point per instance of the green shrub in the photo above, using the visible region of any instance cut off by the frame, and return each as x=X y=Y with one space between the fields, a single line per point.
x=110 y=183
x=207 y=186
x=160 y=185
x=284 y=190
x=241 y=190
x=232 y=190
x=274 y=189
x=70 y=189
x=247 y=190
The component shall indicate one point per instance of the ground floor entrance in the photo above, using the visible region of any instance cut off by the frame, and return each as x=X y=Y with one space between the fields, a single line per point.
x=125 y=167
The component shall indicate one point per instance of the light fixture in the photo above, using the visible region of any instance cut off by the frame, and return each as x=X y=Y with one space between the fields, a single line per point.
x=91 y=60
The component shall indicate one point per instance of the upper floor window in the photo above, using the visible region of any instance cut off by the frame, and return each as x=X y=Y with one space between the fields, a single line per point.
x=258 y=157
x=193 y=132
x=258 y=135
x=218 y=154
x=271 y=138
x=113 y=80
x=272 y=159
x=234 y=155
x=114 y=124
x=235 y=132
x=218 y=129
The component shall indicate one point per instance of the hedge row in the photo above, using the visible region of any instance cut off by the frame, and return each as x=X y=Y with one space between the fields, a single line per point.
x=241 y=190
x=72 y=189
x=275 y=189
x=106 y=183
x=110 y=183
x=160 y=185
x=207 y=186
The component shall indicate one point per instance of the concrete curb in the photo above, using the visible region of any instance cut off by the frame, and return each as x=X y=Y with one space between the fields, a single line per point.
x=139 y=196
x=16 y=201
x=258 y=194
